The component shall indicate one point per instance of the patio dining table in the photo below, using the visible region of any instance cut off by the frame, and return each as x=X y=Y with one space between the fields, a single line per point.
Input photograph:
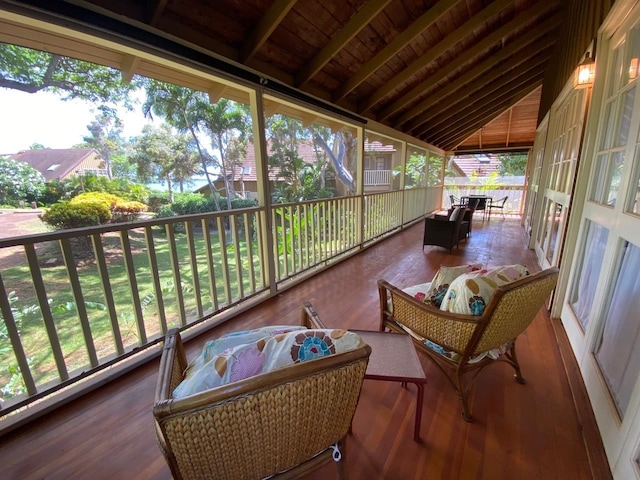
x=478 y=202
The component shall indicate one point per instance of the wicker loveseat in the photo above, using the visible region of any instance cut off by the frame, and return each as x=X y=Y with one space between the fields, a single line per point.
x=459 y=344
x=282 y=423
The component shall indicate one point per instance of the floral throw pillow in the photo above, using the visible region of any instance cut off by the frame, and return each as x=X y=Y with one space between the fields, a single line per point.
x=470 y=293
x=241 y=355
x=442 y=280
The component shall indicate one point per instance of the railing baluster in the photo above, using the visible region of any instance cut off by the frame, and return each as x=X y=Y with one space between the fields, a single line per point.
x=222 y=239
x=261 y=222
x=155 y=277
x=236 y=249
x=298 y=239
x=175 y=270
x=193 y=260
x=16 y=343
x=206 y=234
x=47 y=317
x=133 y=285
x=81 y=308
x=247 y=221
x=103 y=273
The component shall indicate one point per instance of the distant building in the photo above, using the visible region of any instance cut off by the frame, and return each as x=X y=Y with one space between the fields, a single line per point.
x=482 y=165
x=61 y=164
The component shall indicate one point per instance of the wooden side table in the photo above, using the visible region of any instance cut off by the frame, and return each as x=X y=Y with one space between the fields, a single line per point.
x=394 y=358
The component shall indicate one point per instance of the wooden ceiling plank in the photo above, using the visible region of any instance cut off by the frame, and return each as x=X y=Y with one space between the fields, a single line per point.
x=473 y=107
x=452 y=140
x=489 y=63
x=500 y=84
x=268 y=23
x=448 y=42
x=398 y=43
x=360 y=20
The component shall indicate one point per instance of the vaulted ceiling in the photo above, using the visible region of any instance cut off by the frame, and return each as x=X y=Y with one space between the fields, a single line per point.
x=437 y=70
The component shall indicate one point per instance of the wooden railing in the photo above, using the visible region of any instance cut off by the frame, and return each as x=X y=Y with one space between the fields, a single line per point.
x=377 y=177
x=514 y=204
x=75 y=302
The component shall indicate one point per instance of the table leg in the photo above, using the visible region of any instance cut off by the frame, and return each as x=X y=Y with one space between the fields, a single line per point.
x=416 y=431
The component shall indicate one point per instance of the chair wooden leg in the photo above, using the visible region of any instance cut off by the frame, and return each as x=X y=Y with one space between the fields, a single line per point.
x=464 y=397
x=342 y=463
x=516 y=365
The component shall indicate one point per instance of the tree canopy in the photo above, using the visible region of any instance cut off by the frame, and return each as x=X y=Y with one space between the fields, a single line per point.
x=31 y=71
x=19 y=181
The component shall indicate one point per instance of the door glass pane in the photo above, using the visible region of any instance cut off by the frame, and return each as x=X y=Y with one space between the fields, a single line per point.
x=616 y=68
x=599 y=170
x=556 y=224
x=633 y=54
x=613 y=177
x=625 y=117
x=616 y=352
x=634 y=202
x=583 y=290
x=609 y=121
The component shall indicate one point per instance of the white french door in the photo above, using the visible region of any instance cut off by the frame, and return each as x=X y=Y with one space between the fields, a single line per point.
x=561 y=154
x=601 y=311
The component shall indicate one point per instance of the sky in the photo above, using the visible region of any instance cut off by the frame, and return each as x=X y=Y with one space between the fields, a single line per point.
x=28 y=118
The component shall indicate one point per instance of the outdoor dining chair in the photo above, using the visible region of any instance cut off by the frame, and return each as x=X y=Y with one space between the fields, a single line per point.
x=498 y=205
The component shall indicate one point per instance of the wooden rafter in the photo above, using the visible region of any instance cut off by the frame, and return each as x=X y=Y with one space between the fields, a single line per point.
x=487 y=72
x=489 y=63
x=216 y=91
x=509 y=126
x=265 y=27
x=489 y=97
x=448 y=42
x=397 y=44
x=155 y=10
x=455 y=138
x=501 y=84
x=128 y=68
x=360 y=20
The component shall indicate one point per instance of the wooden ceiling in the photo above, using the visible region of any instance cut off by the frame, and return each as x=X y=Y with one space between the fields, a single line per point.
x=436 y=70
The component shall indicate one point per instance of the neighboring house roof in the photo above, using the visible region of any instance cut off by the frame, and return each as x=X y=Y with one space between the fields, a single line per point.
x=378 y=147
x=54 y=163
x=483 y=165
x=246 y=171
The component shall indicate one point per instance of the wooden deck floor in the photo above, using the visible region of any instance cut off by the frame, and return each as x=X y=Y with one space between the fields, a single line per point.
x=530 y=431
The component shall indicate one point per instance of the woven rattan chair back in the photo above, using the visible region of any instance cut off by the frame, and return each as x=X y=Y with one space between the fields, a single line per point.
x=281 y=423
x=510 y=311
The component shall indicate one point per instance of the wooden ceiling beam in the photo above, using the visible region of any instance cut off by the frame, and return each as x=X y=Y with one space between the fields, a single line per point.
x=477 y=21
x=453 y=139
x=398 y=43
x=155 y=9
x=501 y=84
x=473 y=107
x=268 y=23
x=510 y=50
x=360 y=20
x=128 y=67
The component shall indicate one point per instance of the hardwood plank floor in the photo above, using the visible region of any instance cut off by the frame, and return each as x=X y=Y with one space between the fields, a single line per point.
x=527 y=431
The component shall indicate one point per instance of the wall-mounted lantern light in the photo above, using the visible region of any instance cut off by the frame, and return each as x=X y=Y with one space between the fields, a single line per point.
x=584 y=74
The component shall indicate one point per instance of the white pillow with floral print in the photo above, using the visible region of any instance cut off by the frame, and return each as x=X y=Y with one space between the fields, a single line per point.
x=470 y=293
x=241 y=355
x=443 y=278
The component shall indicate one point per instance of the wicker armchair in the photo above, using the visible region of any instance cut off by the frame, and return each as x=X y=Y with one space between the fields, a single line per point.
x=442 y=231
x=282 y=423
x=509 y=312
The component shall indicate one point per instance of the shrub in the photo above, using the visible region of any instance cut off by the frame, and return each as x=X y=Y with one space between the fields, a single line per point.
x=19 y=181
x=127 y=211
x=157 y=200
x=91 y=209
x=64 y=214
